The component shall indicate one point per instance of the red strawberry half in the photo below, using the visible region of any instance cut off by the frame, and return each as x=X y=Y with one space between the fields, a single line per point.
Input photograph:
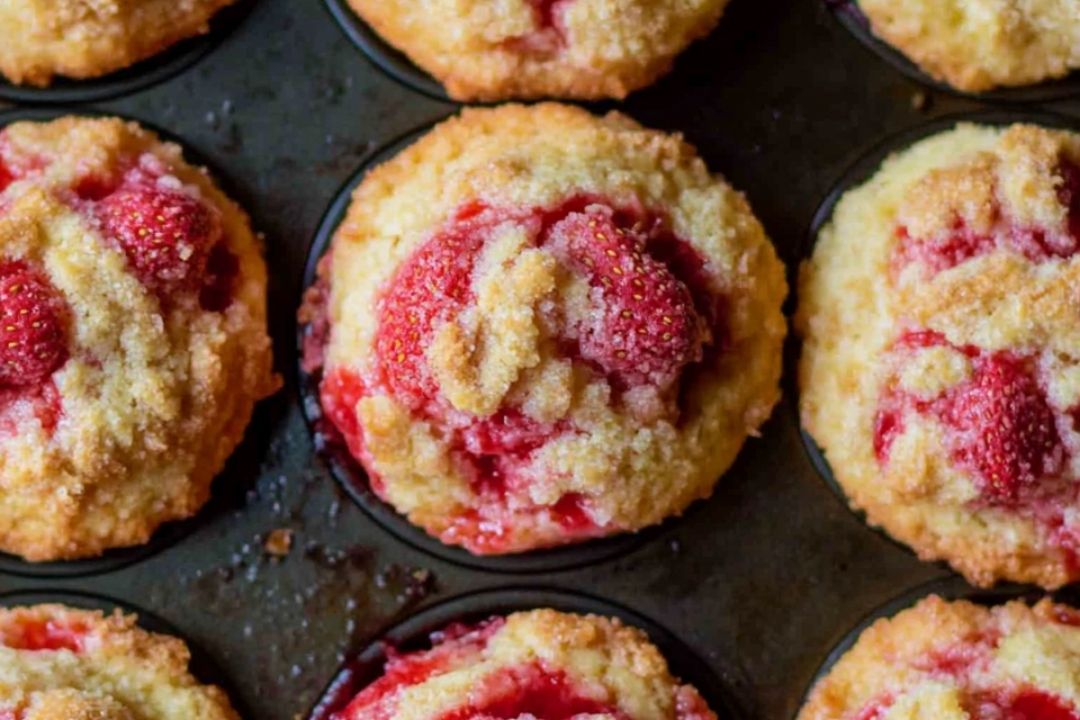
x=33 y=327
x=641 y=326
x=431 y=287
x=1000 y=425
x=1004 y=428
x=166 y=234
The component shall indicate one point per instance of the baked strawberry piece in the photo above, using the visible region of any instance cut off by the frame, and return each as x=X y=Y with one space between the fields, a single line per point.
x=60 y=662
x=544 y=344
x=44 y=41
x=542 y=664
x=522 y=49
x=940 y=371
x=132 y=336
x=957 y=661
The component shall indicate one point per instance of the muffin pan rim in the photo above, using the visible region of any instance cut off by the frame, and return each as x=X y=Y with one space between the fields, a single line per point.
x=389 y=60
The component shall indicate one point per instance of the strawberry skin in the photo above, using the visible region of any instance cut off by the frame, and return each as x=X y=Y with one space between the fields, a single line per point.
x=1004 y=428
x=166 y=235
x=431 y=287
x=33 y=332
x=6 y=176
x=641 y=327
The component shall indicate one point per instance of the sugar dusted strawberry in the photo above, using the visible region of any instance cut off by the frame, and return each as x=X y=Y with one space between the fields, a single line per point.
x=432 y=286
x=33 y=327
x=166 y=234
x=1003 y=427
x=641 y=326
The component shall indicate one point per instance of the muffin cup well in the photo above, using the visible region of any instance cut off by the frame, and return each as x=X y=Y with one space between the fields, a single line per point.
x=382 y=55
x=202 y=667
x=848 y=13
x=949 y=588
x=351 y=476
x=415 y=632
x=864 y=168
x=144 y=74
x=242 y=462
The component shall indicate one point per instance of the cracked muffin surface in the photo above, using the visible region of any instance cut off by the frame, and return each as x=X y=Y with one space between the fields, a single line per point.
x=133 y=340
x=80 y=39
x=958 y=661
x=539 y=326
x=540 y=664
x=979 y=45
x=941 y=365
x=61 y=663
x=501 y=49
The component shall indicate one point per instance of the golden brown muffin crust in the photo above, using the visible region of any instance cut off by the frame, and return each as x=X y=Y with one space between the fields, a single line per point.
x=489 y=50
x=931 y=662
x=949 y=277
x=979 y=45
x=632 y=463
x=104 y=668
x=90 y=38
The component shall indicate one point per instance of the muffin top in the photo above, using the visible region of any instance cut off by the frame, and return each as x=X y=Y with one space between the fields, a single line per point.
x=940 y=373
x=979 y=45
x=132 y=335
x=82 y=39
x=585 y=49
x=540 y=664
x=546 y=326
x=958 y=661
x=59 y=663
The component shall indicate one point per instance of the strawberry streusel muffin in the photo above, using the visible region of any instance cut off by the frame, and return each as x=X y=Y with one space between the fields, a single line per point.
x=978 y=45
x=958 y=661
x=133 y=339
x=941 y=365
x=584 y=49
x=540 y=664
x=541 y=326
x=57 y=663
x=82 y=39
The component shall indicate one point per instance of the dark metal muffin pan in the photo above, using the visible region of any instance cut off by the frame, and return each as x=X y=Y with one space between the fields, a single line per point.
x=384 y=56
x=851 y=16
x=758 y=582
